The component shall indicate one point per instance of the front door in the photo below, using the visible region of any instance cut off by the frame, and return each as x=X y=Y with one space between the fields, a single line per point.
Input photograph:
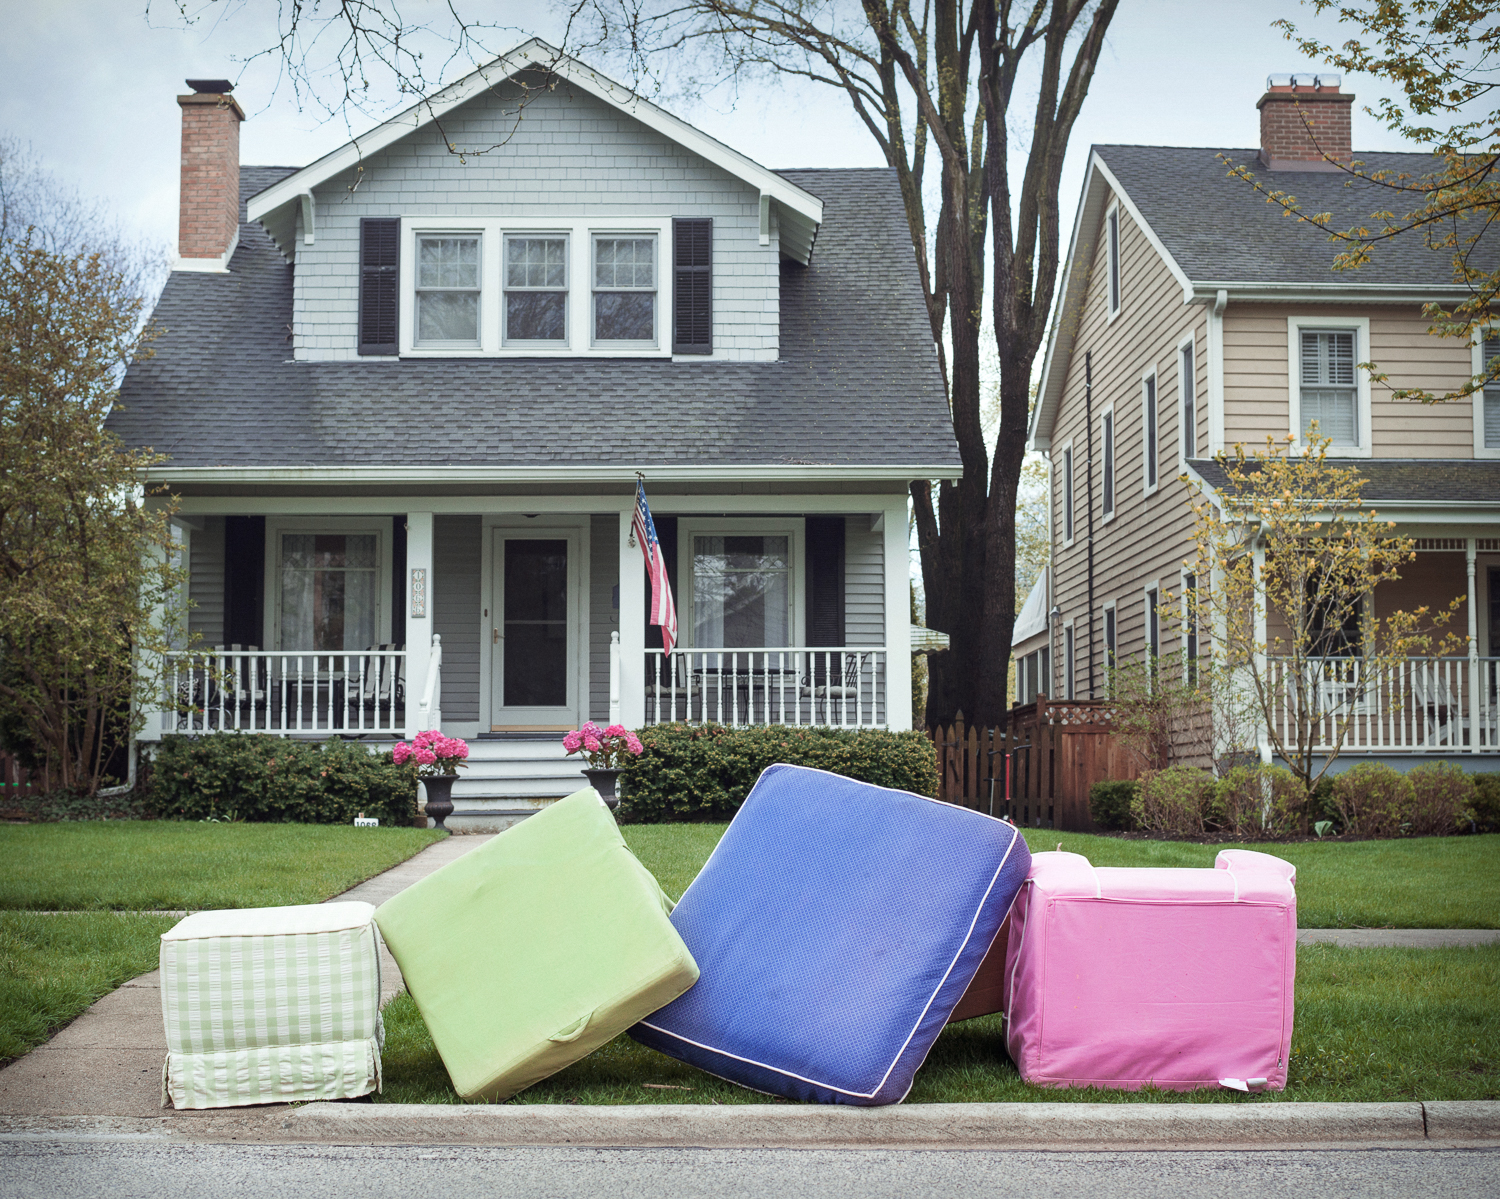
x=534 y=630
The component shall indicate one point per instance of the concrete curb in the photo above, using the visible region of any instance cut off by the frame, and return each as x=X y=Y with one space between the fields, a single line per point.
x=948 y=1126
x=938 y=1125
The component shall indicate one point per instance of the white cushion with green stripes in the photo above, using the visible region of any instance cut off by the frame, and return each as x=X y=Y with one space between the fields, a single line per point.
x=271 y=1005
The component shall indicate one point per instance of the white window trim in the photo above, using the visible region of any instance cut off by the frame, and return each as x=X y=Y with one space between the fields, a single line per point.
x=580 y=320
x=1114 y=296
x=1476 y=364
x=689 y=527
x=1069 y=664
x=1187 y=618
x=1067 y=476
x=1147 y=614
x=1188 y=342
x=1361 y=327
x=1150 y=453
x=1111 y=606
x=520 y=345
x=271 y=596
x=1108 y=453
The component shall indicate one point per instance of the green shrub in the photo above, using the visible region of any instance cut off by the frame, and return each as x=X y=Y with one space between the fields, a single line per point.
x=704 y=771
x=1110 y=803
x=1257 y=801
x=1371 y=798
x=1175 y=800
x=1439 y=797
x=1486 y=802
x=263 y=778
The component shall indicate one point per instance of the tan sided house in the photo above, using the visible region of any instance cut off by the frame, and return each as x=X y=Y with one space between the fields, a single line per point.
x=405 y=394
x=1196 y=317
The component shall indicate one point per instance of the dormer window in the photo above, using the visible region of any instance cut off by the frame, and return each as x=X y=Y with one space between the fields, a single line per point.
x=447 y=291
x=538 y=287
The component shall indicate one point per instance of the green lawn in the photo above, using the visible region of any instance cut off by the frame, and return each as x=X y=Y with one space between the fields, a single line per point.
x=1421 y=882
x=161 y=864
x=53 y=967
x=1371 y=1024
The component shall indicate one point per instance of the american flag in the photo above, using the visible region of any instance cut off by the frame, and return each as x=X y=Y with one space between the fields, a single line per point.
x=663 y=607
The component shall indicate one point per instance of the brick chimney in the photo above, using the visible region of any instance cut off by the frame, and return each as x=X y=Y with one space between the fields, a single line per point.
x=1290 y=105
x=208 y=225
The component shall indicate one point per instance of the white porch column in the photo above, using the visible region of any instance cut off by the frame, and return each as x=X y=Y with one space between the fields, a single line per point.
x=416 y=598
x=897 y=618
x=1261 y=664
x=633 y=625
x=1472 y=550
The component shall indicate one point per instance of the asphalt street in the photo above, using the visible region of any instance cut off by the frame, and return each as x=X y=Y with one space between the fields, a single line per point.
x=61 y=1170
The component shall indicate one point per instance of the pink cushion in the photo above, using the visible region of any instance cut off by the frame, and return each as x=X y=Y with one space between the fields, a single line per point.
x=1174 y=978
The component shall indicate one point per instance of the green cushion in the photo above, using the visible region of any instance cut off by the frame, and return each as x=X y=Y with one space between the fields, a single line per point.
x=531 y=951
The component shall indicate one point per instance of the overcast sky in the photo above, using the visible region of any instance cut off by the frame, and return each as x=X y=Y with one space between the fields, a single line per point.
x=91 y=84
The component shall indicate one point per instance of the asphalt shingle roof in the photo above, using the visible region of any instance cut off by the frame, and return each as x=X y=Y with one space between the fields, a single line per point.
x=1220 y=230
x=1405 y=480
x=857 y=382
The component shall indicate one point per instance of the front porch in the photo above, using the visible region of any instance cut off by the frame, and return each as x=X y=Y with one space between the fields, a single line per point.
x=1419 y=707
x=513 y=618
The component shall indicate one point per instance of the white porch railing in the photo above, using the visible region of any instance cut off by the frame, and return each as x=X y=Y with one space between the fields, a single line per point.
x=269 y=691
x=1419 y=705
x=843 y=687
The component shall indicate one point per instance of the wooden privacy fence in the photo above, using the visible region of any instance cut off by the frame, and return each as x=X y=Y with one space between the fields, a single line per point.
x=1037 y=771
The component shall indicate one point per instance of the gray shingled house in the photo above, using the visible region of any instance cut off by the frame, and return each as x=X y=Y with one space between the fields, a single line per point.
x=406 y=394
x=1194 y=317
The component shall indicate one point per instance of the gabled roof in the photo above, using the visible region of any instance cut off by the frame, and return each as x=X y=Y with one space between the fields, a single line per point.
x=1217 y=235
x=856 y=393
x=800 y=212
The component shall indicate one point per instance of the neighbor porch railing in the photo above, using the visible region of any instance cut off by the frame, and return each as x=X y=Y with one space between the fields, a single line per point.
x=270 y=691
x=1417 y=705
x=843 y=687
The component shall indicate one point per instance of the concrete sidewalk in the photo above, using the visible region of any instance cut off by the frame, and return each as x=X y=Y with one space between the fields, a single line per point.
x=108 y=1061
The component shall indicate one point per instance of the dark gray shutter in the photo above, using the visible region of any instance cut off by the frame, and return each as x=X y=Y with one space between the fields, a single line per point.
x=692 y=287
x=379 y=295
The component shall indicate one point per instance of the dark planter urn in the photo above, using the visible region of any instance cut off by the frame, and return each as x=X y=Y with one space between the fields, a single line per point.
x=604 y=782
x=440 y=797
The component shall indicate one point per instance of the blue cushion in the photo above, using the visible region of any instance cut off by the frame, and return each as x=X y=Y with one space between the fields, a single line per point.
x=835 y=927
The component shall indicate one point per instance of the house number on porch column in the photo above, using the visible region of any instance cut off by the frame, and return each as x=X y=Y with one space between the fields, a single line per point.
x=419 y=592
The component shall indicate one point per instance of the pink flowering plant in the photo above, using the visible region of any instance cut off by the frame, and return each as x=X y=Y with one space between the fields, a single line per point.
x=605 y=749
x=432 y=754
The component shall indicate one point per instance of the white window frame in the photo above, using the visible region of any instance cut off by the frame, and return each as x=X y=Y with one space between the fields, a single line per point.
x=1187 y=394
x=1152 y=616
x=793 y=528
x=596 y=290
x=1107 y=466
x=1360 y=326
x=1150 y=432
x=1065 y=478
x=342 y=525
x=1476 y=365
x=1114 y=277
x=517 y=344
x=1109 y=629
x=580 y=313
x=1069 y=664
x=1191 y=627
x=445 y=348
